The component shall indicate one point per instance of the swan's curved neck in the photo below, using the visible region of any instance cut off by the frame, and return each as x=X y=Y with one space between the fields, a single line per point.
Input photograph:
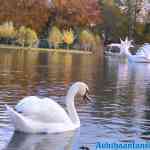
x=71 y=106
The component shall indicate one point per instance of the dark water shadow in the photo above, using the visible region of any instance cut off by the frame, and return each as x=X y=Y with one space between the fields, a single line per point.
x=21 y=141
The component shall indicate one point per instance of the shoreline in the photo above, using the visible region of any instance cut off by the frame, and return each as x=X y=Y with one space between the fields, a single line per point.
x=46 y=49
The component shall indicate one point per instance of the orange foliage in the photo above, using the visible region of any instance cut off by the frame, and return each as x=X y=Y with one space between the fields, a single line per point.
x=32 y=13
x=76 y=12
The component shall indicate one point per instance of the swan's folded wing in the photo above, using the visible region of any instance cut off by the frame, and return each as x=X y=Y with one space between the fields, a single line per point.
x=18 y=120
x=43 y=110
x=24 y=124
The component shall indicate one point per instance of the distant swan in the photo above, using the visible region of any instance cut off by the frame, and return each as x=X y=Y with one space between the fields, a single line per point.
x=142 y=55
x=35 y=115
x=123 y=46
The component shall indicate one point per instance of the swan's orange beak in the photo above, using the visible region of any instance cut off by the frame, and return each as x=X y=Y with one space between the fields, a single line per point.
x=86 y=96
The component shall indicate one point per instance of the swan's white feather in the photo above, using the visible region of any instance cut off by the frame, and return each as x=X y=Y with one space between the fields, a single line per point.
x=45 y=110
x=114 y=45
x=142 y=56
x=27 y=125
x=35 y=115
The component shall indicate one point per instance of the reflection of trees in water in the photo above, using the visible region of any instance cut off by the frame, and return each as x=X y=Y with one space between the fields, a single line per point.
x=17 y=70
x=67 y=69
x=106 y=104
x=123 y=96
x=146 y=123
x=70 y=67
x=31 y=71
x=135 y=87
x=144 y=99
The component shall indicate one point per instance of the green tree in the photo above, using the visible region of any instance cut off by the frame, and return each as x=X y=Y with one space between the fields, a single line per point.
x=115 y=22
x=142 y=33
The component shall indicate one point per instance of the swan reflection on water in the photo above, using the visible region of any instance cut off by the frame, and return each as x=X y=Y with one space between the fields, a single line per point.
x=21 y=141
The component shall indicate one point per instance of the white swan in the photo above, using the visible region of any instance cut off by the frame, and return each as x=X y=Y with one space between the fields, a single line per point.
x=123 y=46
x=35 y=115
x=142 y=56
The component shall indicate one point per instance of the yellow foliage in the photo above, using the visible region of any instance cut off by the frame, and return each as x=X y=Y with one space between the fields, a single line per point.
x=87 y=40
x=55 y=37
x=21 y=35
x=26 y=36
x=7 y=30
x=68 y=37
x=31 y=37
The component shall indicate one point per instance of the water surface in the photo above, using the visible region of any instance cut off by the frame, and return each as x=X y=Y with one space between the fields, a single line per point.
x=120 y=107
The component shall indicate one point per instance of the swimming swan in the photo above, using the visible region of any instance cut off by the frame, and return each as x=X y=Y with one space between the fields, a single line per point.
x=35 y=115
x=124 y=47
x=142 y=55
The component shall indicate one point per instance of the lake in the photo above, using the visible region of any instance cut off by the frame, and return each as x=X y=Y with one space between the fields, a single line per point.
x=120 y=92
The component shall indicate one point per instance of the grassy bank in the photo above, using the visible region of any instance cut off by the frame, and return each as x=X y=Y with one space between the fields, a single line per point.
x=45 y=49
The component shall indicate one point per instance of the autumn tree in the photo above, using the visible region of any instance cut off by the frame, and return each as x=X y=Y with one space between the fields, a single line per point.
x=31 y=13
x=75 y=13
x=7 y=30
x=87 y=40
x=55 y=37
x=68 y=37
x=26 y=37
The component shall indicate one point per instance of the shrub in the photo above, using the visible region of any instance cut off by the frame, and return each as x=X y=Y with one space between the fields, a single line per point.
x=68 y=37
x=55 y=37
x=87 y=40
x=26 y=36
x=7 y=31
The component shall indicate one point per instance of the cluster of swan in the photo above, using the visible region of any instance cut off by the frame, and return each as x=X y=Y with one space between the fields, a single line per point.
x=142 y=55
x=35 y=115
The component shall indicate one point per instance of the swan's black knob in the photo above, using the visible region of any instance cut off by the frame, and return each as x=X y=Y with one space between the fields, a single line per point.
x=84 y=148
